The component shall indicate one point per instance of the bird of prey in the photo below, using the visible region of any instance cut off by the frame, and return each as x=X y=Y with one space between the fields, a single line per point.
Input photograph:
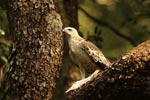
x=84 y=54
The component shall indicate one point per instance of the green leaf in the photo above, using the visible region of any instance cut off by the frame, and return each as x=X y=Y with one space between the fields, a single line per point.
x=3 y=58
x=2 y=32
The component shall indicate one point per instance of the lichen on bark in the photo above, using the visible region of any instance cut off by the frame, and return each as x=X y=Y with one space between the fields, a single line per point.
x=38 y=41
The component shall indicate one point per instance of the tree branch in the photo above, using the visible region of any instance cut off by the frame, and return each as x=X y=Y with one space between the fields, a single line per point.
x=127 y=79
x=105 y=24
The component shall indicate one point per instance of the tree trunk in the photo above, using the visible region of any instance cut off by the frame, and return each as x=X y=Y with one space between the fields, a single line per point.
x=69 y=12
x=37 y=53
x=127 y=79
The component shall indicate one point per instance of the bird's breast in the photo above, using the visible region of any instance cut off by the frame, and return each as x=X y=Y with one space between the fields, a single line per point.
x=80 y=58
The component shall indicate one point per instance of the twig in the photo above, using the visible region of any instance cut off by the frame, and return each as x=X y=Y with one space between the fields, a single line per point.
x=102 y=23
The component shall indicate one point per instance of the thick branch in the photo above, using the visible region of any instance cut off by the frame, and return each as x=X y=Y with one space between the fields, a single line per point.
x=105 y=24
x=127 y=79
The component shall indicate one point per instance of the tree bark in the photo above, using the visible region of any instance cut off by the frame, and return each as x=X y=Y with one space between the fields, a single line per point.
x=69 y=12
x=127 y=79
x=36 y=57
x=68 y=9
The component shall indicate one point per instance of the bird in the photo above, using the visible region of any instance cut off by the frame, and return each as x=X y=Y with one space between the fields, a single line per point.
x=84 y=54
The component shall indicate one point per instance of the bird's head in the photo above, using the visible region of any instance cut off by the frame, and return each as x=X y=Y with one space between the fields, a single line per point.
x=70 y=32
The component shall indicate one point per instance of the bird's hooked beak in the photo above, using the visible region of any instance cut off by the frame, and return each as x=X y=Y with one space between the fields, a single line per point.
x=63 y=30
x=67 y=30
x=66 y=33
x=70 y=32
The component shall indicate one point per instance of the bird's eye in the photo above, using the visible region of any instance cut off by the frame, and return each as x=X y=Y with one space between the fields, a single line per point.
x=70 y=29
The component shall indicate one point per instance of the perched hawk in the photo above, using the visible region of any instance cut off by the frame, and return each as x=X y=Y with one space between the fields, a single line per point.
x=84 y=53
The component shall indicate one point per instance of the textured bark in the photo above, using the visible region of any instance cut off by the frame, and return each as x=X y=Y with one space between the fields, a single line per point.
x=127 y=79
x=69 y=12
x=38 y=44
x=71 y=9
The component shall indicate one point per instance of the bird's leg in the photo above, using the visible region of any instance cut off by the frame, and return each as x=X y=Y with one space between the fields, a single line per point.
x=82 y=72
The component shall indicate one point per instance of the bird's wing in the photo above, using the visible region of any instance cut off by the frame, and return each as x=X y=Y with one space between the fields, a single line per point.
x=95 y=54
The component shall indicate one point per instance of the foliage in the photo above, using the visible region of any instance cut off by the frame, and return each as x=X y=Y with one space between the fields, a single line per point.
x=131 y=18
x=4 y=42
